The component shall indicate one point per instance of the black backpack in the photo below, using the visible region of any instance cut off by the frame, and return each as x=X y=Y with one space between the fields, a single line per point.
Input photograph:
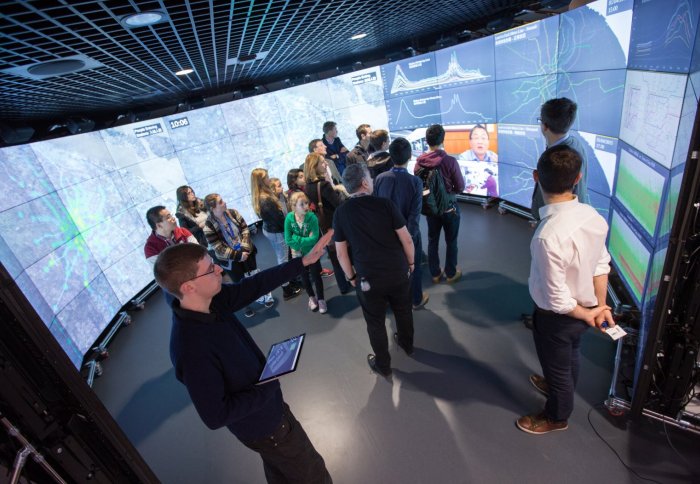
x=436 y=200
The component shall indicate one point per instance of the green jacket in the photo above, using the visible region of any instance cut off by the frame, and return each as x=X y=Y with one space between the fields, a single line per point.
x=301 y=239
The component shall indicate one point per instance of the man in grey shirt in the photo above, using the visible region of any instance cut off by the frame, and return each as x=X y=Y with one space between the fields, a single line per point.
x=556 y=117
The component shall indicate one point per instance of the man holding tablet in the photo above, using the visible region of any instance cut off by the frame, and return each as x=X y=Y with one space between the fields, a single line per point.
x=217 y=360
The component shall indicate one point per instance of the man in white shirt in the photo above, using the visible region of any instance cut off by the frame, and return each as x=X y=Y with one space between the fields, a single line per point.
x=568 y=282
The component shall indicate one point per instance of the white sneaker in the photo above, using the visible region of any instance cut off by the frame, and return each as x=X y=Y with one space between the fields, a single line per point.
x=313 y=303
x=322 y=307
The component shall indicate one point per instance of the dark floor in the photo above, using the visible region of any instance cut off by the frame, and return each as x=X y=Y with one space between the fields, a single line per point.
x=447 y=417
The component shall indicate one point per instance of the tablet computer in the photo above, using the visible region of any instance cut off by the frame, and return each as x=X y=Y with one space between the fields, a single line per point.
x=282 y=358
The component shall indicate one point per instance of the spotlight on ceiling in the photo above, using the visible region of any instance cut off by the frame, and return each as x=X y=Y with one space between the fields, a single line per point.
x=184 y=72
x=143 y=19
x=358 y=36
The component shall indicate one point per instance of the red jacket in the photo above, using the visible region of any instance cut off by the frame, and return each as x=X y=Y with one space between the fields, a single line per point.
x=155 y=244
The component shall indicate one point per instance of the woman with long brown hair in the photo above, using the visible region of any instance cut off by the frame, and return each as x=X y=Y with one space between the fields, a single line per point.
x=269 y=208
x=325 y=198
x=191 y=213
x=228 y=236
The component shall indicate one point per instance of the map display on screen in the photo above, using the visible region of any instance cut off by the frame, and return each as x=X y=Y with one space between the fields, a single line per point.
x=599 y=98
x=527 y=51
x=651 y=113
x=595 y=36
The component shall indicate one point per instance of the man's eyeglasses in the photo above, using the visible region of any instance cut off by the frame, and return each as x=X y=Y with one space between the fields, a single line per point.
x=212 y=268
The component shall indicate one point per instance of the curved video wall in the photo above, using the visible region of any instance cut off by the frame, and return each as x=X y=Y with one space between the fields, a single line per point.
x=72 y=224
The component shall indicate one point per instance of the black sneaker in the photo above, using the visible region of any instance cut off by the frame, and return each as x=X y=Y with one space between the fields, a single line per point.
x=249 y=313
x=409 y=351
x=372 y=362
x=290 y=291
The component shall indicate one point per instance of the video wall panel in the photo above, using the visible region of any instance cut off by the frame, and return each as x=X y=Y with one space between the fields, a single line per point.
x=595 y=36
x=67 y=197
x=651 y=113
x=527 y=51
x=663 y=34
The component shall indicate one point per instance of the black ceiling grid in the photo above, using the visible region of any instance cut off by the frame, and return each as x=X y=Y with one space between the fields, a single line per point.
x=135 y=67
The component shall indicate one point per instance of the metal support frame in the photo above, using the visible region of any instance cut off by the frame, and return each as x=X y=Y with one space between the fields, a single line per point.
x=26 y=451
x=617 y=406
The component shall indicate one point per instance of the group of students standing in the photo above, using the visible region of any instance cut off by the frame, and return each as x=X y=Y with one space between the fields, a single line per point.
x=373 y=216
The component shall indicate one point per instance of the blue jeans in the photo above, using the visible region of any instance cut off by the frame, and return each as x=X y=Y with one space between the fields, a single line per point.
x=450 y=222
x=416 y=283
x=279 y=245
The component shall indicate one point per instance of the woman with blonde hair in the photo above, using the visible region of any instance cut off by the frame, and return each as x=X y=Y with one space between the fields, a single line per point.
x=324 y=198
x=301 y=234
x=271 y=210
x=228 y=236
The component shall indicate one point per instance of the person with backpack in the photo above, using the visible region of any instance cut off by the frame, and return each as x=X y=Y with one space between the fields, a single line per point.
x=442 y=181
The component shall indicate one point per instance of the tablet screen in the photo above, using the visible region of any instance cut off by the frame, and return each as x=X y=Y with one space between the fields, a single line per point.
x=282 y=358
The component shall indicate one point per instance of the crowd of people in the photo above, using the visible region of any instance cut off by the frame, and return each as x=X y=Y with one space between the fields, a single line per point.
x=362 y=208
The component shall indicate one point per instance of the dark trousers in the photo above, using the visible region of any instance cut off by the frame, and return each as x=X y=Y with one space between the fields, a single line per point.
x=448 y=221
x=395 y=293
x=312 y=273
x=416 y=282
x=343 y=285
x=557 y=341
x=289 y=456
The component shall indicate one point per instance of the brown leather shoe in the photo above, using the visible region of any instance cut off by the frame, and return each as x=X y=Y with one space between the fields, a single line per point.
x=424 y=300
x=436 y=279
x=540 y=424
x=455 y=278
x=540 y=384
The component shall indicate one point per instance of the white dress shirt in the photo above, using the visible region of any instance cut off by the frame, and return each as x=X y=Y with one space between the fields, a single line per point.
x=568 y=251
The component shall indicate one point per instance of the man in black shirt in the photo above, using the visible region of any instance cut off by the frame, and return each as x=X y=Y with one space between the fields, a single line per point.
x=382 y=254
x=217 y=360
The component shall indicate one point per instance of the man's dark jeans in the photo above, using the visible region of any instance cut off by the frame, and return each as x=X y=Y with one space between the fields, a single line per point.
x=289 y=456
x=393 y=291
x=449 y=221
x=557 y=341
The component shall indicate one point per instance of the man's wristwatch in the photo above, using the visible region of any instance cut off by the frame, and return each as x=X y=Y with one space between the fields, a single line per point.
x=354 y=276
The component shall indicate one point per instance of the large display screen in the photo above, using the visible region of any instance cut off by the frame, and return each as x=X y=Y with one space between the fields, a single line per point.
x=599 y=96
x=409 y=76
x=663 y=34
x=515 y=184
x=639 y=188
x=72 y=225
x=601 y=155
x=518 y=101
x=629 y=253
x=464 y=64
x=595 y=36
x=651 y=113
x=527 y=51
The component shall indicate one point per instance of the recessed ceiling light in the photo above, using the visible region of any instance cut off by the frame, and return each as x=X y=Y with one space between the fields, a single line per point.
x=184 y=72
x=358 y=36
x=143 y=19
